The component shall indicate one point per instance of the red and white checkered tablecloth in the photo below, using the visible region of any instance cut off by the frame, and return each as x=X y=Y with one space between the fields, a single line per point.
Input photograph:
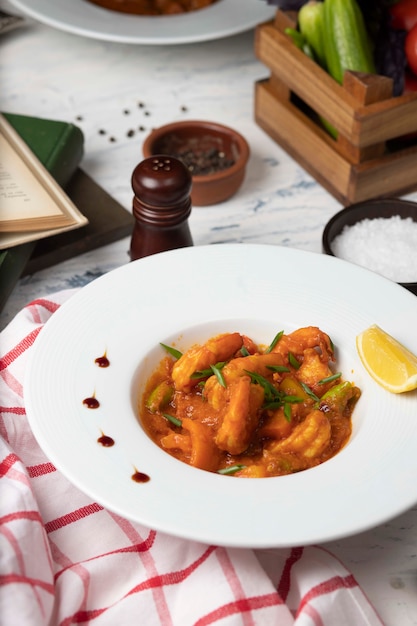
x=65 y=559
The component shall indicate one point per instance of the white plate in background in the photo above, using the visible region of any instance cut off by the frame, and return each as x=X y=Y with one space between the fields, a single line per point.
x=80 y=17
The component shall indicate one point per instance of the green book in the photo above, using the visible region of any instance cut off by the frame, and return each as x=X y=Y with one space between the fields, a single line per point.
x=59 y=146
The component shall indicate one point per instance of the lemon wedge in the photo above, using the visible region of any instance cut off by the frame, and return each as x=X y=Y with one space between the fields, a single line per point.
x=388 y=362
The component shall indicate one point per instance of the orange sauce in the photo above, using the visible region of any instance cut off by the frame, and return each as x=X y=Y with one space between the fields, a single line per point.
x=235 y=428
x=153 y=7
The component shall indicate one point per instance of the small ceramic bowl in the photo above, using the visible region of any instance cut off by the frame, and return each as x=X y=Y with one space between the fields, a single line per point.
x=371 y=209
x=216 y=156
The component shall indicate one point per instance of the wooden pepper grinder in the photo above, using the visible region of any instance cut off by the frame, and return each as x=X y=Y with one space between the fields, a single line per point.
x=161 y=206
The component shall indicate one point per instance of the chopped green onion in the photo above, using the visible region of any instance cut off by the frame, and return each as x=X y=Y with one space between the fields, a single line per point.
x=329 y=379
x=292 y=399
x=202 y=374
x=272 y=405
x=287 y=411
x=271 y=393
x=244 y=351
x=274 y=342
x=293 y=361
x=174 y=420
x=172 y=351
x=274 y=399
x=217 y=372
x=231 y=470
x=278 y=368
x=209 y=371
x=283 y=400
x=309 y=392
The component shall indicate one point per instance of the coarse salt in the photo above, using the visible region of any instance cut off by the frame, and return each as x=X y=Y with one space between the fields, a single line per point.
x=387 y=246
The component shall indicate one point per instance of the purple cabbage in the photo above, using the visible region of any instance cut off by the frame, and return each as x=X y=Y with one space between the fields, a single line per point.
x=389 y=53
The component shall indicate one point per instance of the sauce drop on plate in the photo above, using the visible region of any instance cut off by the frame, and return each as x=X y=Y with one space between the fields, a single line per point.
x=106 y=441
x=140 y=477
x=102 y=361
x=91 y=402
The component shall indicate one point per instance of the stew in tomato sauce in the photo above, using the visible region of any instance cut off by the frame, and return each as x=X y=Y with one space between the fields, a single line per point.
x=233 y=407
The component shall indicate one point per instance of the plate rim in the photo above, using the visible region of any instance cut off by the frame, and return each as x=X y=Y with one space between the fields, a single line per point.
x=133 y=29
x=222 y=250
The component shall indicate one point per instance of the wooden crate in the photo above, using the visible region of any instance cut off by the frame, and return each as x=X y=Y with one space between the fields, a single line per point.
x=368 y=159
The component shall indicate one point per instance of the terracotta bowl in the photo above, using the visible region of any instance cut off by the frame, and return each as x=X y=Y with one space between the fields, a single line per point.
x=371 y=209
x=216 y=156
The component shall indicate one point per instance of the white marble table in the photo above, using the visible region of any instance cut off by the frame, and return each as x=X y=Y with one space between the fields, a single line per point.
x=121 y=88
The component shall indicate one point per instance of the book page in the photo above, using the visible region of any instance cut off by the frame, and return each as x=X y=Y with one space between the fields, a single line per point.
x=30 y=199
x=22 y=198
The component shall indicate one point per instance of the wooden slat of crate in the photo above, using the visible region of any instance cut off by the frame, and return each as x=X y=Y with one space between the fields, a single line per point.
x=357 y=166
x=301 y=138
x=310 y=146
x=304 y=77
x=364 y=125
x=392 y=174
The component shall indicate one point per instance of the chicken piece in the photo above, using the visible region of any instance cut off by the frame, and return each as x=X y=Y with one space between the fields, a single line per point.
x=215 y=394
x=277 y=426
x=250 y=345
x=176 y=441
x=256 y=363
x=198 y=358
x=204 y=453
x=309 y=439
x=303 y=338
x=241 y=416
x=312 y=370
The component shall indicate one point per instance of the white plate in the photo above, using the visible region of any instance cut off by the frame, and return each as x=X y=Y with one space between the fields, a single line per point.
x=222 y=19
x=188 y=295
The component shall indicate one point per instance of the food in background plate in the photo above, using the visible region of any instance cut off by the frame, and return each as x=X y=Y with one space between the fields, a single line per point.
x=153 y=7
x=233 y=407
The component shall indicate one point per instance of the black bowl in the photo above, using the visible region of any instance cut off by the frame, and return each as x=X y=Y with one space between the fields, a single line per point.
x=384 y=207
